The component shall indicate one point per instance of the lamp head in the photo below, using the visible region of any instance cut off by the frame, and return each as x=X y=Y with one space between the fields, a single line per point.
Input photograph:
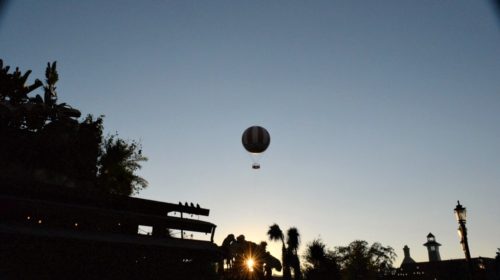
x=460 y=212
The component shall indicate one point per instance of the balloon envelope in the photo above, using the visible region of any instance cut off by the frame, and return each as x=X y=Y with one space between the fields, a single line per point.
x=256 y=139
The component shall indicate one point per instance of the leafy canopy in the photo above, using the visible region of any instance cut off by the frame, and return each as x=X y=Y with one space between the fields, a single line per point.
x=42 y=142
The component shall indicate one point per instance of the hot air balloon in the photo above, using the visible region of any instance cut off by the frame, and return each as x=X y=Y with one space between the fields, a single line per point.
x=255 y=139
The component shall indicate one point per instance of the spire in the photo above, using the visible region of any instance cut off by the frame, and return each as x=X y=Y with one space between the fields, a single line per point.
x=407 y=259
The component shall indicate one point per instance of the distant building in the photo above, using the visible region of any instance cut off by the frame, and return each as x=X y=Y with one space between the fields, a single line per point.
x=407 y=259
x=437 y=269
x=61 y=235
x=432 y=248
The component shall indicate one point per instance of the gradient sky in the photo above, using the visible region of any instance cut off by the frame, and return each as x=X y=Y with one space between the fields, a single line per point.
x=382 y=114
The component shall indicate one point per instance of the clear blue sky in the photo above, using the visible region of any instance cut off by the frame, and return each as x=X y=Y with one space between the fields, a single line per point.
x=382 y=113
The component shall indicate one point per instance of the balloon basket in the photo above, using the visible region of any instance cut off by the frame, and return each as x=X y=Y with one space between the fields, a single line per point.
x=256 y=166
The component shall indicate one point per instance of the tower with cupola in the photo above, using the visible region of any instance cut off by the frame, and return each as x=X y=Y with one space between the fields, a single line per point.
x=432 y=248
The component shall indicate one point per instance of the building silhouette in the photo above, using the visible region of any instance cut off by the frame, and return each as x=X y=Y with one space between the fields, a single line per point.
x=437 y=269
x=407 y=259
x=432 y=248
x=69 y=235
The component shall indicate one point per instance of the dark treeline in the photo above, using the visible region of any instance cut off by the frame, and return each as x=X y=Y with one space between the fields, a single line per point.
x=43 y=142
x=357 y=260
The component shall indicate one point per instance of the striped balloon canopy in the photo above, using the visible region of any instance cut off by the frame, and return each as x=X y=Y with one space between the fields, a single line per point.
x=255 y=139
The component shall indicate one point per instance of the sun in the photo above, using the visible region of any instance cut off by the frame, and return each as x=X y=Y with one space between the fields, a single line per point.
x=250 y=264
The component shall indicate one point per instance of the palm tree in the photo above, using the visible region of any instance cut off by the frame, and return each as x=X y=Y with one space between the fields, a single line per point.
x=293 y=242
x=315 y=253
x=320 y=263
x=276 y=234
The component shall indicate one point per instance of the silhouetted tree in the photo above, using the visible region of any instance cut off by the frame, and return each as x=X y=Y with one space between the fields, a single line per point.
x=276 y=234
x=270 y=261
x=358 y=260
x=117 y=166
x=42 y=142
x=293 y=242
x=289 y=256
x=226 y=253
x=238 y=251
x=14 y=101
x=320 y=263
x=497 y=262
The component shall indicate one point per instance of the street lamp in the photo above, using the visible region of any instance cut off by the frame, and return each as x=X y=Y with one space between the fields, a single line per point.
x=461 y=215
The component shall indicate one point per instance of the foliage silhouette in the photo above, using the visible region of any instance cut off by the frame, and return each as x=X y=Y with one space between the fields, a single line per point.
x=320 y=263
x=43 y=143
x=497 y=261
x=289 y=256
x=237 y=251
x=276 y=234
x=117 y=167
x=358 y=260
x=293 y=242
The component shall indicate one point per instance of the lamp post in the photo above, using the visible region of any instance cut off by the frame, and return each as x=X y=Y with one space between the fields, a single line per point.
x=461 y=215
